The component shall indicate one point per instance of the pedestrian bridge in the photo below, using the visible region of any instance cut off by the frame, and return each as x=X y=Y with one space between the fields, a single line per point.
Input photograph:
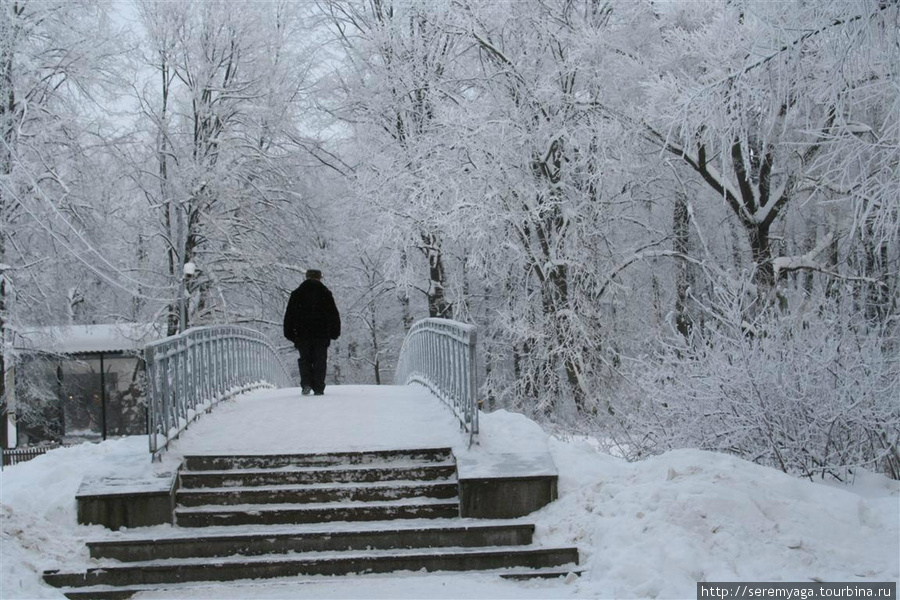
x=191 y=372
x=224 y=391
x=268 y=483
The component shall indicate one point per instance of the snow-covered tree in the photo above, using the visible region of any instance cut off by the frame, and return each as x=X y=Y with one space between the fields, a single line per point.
x=401 y=73
x=784 y=115
x=55 y=59
x=775 y=107
x=226 y=188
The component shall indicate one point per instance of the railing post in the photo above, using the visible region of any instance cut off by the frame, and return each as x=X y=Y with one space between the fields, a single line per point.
x=167 y=407
x=471 y=381
x=153 y=395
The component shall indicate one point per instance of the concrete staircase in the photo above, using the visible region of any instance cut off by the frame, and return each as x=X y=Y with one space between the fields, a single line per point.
x=252 y=517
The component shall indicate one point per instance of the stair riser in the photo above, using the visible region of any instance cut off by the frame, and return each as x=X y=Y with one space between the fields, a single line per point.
x=105 y=595
x=516 y=535
x=337 y=566
x=190 y=480
x=325 y=515
x=220 y=463
x=200 y=498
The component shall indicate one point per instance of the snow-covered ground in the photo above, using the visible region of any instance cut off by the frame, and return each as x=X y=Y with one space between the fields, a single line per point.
x=644 y=530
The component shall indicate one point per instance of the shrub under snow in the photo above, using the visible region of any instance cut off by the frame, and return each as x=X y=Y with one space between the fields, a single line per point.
x=810 y=395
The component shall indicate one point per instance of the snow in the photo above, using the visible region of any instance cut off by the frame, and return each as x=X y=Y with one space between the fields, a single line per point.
x=806 y=261
x=650 y=529
x=74 y=339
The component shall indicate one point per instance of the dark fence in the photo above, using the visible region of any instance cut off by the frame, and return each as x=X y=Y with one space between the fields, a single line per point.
x=18 y=455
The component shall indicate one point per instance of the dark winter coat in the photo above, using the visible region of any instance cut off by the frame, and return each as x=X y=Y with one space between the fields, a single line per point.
x=312 y=313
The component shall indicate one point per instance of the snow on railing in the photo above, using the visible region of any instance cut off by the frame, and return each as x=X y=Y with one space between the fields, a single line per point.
x=440 y=354
x=191 y=372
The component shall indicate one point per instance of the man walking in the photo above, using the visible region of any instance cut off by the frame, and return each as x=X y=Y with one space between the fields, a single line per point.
x=311 y=321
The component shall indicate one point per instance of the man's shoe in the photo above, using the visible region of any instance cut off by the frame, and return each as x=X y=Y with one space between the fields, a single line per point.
x=319 y=393
x=306 y=391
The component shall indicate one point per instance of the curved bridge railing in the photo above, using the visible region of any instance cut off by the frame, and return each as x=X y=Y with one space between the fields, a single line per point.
x=191 y=372
x=440 y=354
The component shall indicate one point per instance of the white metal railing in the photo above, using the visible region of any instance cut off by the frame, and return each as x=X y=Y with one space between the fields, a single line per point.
x=440 y=354
x=190 y=372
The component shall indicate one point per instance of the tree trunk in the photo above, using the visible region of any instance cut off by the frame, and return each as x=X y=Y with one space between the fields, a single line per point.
x=878 y=303
x=681 y=245
x=7 y=123
x=170 y=218
x=403 y=297
x=137 y=301
x=4 y=401
x=556 y=305
x=373 y=331
x=761 y=251
x=438 y=306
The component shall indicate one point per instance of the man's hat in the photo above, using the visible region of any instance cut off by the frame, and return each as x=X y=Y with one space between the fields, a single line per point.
x=313 y=274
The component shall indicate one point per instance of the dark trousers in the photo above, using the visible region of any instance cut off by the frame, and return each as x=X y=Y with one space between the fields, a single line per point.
x=313 y=363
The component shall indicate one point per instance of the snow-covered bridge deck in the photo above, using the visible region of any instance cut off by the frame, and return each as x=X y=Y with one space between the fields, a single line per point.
x=346 y=418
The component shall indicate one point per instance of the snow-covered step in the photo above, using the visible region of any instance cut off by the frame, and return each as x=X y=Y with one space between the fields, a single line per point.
x=271 y=540
x=178 y=590
x=296 y=475
x=320 y=492
x=275 y=461
x=272 y=514
x=285 y=516
x=338 y=563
